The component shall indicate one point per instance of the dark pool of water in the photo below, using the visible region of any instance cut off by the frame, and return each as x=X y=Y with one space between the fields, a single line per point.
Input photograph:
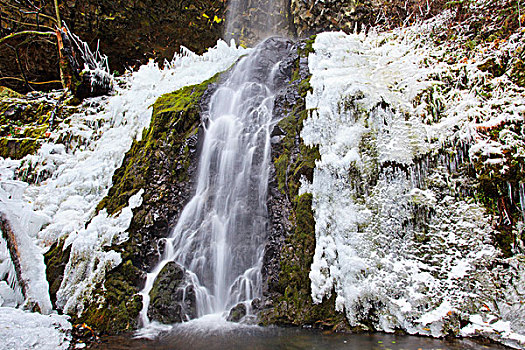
x=199 y=337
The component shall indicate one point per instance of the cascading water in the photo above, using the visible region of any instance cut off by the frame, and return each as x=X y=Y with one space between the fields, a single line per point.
x=220 y=236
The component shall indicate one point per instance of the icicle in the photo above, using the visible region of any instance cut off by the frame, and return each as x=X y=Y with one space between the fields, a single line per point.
x=522 y=199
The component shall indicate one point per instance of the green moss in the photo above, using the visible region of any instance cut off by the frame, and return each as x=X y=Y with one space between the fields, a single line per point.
x=119 y=309
x=56 y=260
x=494 y=196
x=308 y=47
x=25 y=123
x=8 y=93
x=173 y=122
x=496 y=68
x=294 y=305
x=517 y=73
x=291 y=297
x=17 y=148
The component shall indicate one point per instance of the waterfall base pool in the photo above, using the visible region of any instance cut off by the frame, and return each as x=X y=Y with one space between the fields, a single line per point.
x=212 y=333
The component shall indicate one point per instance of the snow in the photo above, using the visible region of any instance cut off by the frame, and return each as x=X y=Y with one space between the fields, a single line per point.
x=405 y=250
x=10 y=290
x=20 y=330
x=25 y=223
x=89 y=259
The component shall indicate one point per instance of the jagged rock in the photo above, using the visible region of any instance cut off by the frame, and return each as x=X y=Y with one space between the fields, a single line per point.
x=291 y=242
x=172 y=296
x=312 y=17
x=248 y=20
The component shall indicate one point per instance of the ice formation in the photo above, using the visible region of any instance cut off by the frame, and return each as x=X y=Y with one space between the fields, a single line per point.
x=396 y=240
x=26 y=330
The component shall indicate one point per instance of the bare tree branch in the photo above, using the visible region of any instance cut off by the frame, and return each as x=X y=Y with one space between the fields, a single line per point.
x=26 y=32
x=36 y=13
x=27 y=24
x=32 y=82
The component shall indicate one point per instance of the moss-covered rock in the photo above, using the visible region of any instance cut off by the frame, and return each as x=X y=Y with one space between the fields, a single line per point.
x=56 y=260
x=6 y=92
x=17 y=148
x=25 y=122
x=237 y=313
x=289 y=253
x=173 y=298
x=162 y=163
x=118 y=304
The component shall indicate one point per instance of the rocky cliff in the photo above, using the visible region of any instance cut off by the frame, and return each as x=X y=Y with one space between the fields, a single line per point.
x=128 y=32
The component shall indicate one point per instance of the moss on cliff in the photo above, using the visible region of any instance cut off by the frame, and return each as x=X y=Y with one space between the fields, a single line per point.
x=17 y=148
x=6 y=92
x=290 y=296
x=160 y=163
x=119 y=308
x=56 y=260
x=25 y=122
x=175 y=119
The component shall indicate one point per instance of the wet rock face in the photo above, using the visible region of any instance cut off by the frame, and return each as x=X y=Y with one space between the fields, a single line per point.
x=291 y=243
x=251 y=21
x=172 y=297
x=311 y=16
x=270 y=52
x=279 y=205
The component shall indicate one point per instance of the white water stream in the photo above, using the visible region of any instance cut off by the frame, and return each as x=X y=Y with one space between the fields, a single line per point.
x=219 y=238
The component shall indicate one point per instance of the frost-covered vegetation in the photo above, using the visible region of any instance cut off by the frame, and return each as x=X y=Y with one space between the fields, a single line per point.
x=412 y=134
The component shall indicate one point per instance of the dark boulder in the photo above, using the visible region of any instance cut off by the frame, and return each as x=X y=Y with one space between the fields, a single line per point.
x=237 y=313
x=172 y=296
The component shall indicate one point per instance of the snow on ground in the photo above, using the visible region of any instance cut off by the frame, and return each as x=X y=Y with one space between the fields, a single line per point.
x=394 y=240
x=25 y=330
x=73 y=172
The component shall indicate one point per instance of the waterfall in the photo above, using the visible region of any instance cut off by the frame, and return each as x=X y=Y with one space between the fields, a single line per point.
x=250 y=21
x=220 y=236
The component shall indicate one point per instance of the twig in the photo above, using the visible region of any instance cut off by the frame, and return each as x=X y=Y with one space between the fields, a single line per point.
x=25 y=32
x=27 y=24
x=59 y=22
x=32 y=82
x=37 y=13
